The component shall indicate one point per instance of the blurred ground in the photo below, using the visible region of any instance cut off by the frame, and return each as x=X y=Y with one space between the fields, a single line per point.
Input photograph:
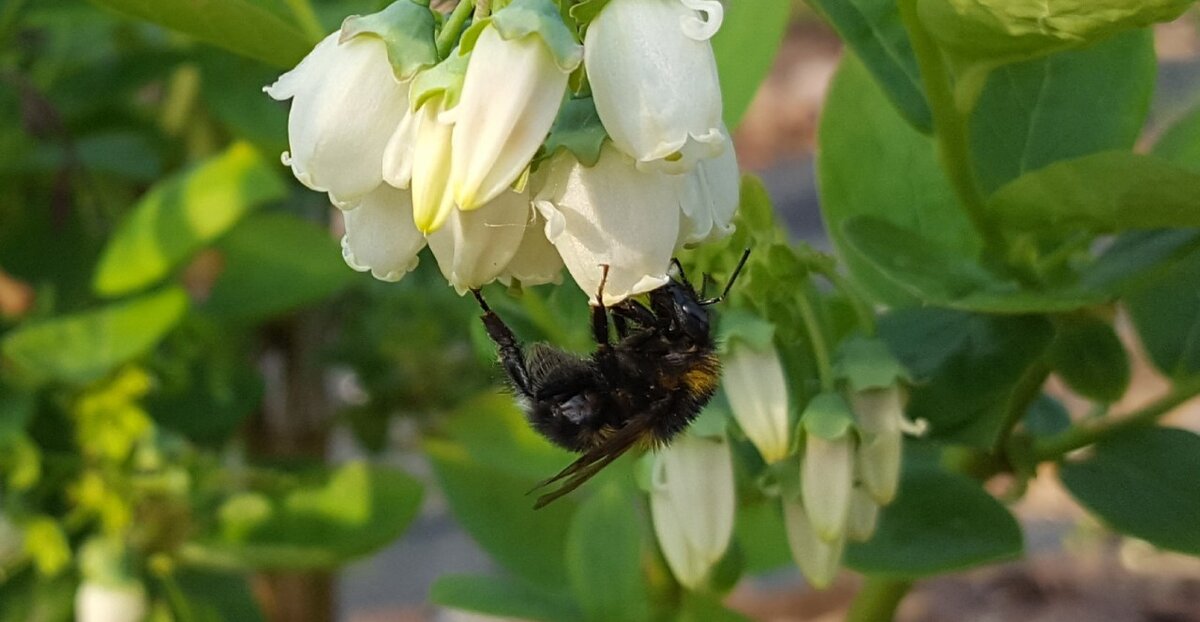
x=1074 y=570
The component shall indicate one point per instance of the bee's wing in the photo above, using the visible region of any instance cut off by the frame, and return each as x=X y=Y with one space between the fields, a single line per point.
x=592 y=462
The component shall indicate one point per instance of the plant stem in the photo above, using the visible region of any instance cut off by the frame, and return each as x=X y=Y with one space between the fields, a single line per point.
x=950 y=128
x=453 y=27
x=1028 y=387
x=819 y=346
x=307 y=19
x=862 y=308
x=1085 y=434
x=877 y=600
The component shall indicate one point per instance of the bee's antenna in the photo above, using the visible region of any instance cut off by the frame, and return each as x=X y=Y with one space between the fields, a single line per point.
x=704 y=284
x=732 y=278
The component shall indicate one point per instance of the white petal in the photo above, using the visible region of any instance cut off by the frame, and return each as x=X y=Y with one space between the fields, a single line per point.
x=879 y=458
x=95 y=602
x=757 y=390
x=818 y=559
x=474 y=247
x=536 y=261
x=432 y=201
x=864 y=514
x=826 y=477
x=511 y=94
x=709 y=199
x=346 y=104
x=400 y=151
x=655 y=87
x=704 y=28
x=380 y=235
x=610 y=214
x=878 y=410
x=692 y=504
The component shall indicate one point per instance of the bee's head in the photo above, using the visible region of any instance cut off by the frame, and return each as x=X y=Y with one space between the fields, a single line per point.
x=678 y=301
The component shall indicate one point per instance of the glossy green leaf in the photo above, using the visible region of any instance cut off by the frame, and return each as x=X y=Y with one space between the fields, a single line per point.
x=1166 y=312
x=276 y=263
x=1180 y=143
x=241 y=26
x=219 y=596
x=486 y=460
x=1104 y=192
x=1090 y=358
x=1143 y=484
x=873 y=29
x=181 y=214
x=965 y=367
x=1032 y=114
x=940 y=522
x=1022 y=29
x=1136 y=258
x=503 y=598
x=871 y=162
x=325 y=521
x=745 y=48
x=84 y=346
x=604 y=551
x=938 y=277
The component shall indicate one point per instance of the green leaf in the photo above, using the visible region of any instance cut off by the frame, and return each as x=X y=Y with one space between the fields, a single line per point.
x=996 y=32
x=940 y=522
x=241 y=26
x=965 y=367
x=1144 y=484
x=220 y=596
x=745 y=47
x=1029 y=114
x=233 y=94
x=210 y=401
x=578 y=130
x=874 y=31
x=1089 y=356
x=181 y=214
x=1166 y=312
x=760 y=535
x=406 y=29
x=503 y=598
x=1046 y=417
x=16 y=409
x=84 y=346
x=276 y=263
x=1103 y=192
x=604 y=551
x=330 y=518
x=939 y=277
x=698 y=607
x=1136 y=258
x=1180 y=144
x=486 y=462
x=860 y=136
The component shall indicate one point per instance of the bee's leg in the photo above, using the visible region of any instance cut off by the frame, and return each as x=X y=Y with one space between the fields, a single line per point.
x=600 y=313
x=506 y=343
x=631 y=312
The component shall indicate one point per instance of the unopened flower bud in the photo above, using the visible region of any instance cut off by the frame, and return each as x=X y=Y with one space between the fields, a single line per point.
x=757 y=390
x=864 y=514
x=826 y=477
x=692 y=504
x=817 y=558
x=880 y=417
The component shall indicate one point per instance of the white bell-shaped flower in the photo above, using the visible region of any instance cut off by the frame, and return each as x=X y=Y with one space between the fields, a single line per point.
x=709 y=198
x=614 y=215
x=346 y=103
x=430 y=168
x=537 y=261
x=473 y=248
x=880 y=417
x=817 y=558
x=100 y=602
x=380 y=235
x=510 y=95
x=692 y=505
x=757 y=391
x=826 y=479
x=654 y=80
x=864 y=515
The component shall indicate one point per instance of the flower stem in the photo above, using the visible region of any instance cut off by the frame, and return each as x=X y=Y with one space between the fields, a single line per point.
x=817 y=336
x=1028 y=387
x=1078 y=436
x=950 y=128
x=453 y=27
x=877 y=600
x=307 y=19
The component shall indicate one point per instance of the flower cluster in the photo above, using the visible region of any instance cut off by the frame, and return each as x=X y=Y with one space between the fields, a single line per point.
x=468 y=139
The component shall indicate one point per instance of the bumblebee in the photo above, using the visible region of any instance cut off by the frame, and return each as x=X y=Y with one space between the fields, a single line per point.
x=639 y=391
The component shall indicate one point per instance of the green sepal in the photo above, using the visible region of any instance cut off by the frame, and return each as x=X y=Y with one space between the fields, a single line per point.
x=578 y=130
x=781 y=479
x=406 y=28
x=444 y=79
x=738 y=325
x=586 y=11
x=527 y=17
x=866 y=363
x=827 y=416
